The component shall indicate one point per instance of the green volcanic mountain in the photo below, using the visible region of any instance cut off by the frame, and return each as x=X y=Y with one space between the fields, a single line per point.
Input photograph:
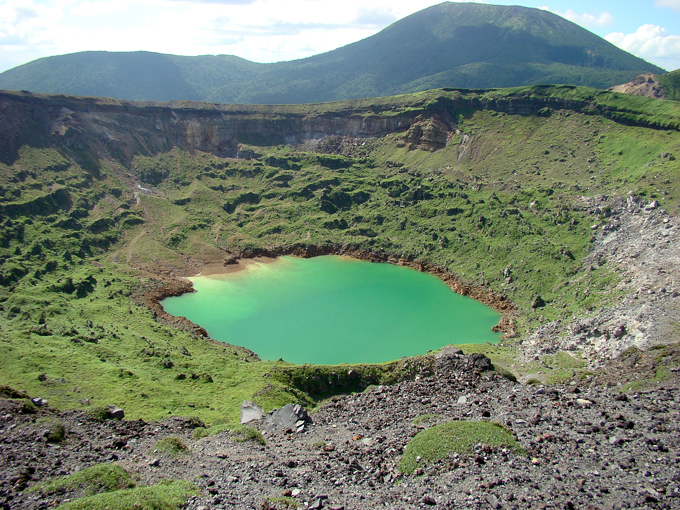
x=465 y=45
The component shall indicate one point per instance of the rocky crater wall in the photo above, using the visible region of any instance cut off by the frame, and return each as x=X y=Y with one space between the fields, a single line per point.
x=122 y=129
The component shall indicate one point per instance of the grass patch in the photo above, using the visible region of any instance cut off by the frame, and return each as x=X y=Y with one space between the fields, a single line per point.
x=240 y=433
x=173 y=445
x=424 y=418
x=438 y=442
x=92 y=480
x=243 y=433
x=170 y=495
x=98 y=413
x=53 y=429
x=282 y=502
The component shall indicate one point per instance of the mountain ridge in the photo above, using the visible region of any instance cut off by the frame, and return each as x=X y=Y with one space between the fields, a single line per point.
x=448 y=45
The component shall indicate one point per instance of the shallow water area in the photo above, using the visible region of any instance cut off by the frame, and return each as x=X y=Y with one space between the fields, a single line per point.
x=331 y=309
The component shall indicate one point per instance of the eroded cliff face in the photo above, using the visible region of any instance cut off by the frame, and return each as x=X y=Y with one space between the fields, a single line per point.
x=122 y=129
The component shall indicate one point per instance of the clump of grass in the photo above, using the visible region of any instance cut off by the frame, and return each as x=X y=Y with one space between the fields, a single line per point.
x=425 y=418
x=27 y=407
x=54 y=430
x=439 y=441
x=243 y=433
x=169 y=495
x=281 y=502
x=504 y=372
x=93 y=480
x=98 y=413
x=9 y=392
x=172 y=445
x=200 y=432
x=317 y=445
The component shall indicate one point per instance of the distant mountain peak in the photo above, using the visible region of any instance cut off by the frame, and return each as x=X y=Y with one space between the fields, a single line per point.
x=463 y=45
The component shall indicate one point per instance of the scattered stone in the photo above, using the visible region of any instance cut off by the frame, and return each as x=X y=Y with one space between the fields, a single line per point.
x=493 y=501
x=316 y=505
x=538 y=302
x=115 y=412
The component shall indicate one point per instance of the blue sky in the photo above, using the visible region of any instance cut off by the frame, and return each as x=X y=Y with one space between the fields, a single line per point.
x=275 y=30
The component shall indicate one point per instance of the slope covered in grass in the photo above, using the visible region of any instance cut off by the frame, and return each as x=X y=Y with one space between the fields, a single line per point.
x=100 y=211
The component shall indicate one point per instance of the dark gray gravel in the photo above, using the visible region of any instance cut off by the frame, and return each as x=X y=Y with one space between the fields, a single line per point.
x=587 y=444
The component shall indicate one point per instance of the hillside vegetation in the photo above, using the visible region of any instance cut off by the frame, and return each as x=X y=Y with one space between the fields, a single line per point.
x=101 y=200
x=452 y=44
x=670 y=82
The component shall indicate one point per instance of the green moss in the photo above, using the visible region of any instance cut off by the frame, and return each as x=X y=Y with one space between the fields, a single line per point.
x=173 y=445
x=27 y=407
x=282 y=502
x=200 y=432
x=244 y=433
x=92 y=480
x=438 y=442
x=163 y=496
x=424 y=418
x=98 y=413
x=53 y=429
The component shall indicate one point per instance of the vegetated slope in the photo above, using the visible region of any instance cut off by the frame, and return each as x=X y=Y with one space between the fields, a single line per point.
x=99 y=199
x=448 y=45
x=670 y=82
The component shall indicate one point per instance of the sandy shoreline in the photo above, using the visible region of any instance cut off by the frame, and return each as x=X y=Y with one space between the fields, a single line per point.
x=219 y=267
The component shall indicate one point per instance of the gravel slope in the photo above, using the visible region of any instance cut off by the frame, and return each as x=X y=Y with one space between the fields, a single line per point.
x=588 y=444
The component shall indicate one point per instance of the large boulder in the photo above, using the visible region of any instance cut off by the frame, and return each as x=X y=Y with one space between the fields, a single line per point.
x=250 y=411
x=451 y=361
x=115 y=412
x=291 y=417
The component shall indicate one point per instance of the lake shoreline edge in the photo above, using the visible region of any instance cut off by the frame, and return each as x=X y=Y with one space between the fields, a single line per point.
x=238 y=261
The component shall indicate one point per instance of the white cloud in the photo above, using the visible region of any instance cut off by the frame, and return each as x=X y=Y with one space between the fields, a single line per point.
x=651 y=42
x=257 y=30
x=673 y=4
x=98 y=8
x=586 y=19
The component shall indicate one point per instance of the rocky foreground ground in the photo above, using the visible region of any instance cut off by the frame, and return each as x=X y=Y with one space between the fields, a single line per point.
x=590 y=443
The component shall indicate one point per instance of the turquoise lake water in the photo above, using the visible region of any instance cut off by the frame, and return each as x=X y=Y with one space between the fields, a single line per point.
x=330 y=310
